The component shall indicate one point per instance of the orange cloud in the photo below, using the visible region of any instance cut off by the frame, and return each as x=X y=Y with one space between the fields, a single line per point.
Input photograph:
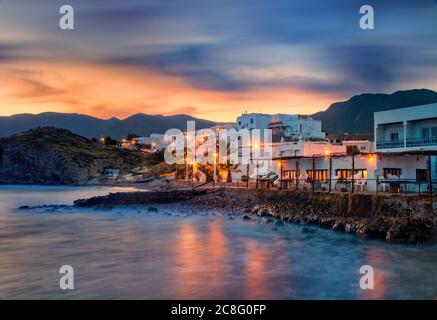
x=107 y=91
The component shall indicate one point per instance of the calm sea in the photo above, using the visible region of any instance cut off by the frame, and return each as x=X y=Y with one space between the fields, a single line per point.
x=181 y=254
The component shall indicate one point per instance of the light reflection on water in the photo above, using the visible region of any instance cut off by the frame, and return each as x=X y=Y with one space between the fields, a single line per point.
x=176 y=254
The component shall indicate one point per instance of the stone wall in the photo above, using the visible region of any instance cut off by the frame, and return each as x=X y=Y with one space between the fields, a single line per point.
x=397 y=218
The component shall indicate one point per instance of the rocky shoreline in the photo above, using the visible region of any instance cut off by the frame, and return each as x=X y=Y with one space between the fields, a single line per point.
x=395 y=219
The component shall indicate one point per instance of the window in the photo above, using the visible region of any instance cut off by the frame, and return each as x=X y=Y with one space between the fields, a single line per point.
x=345 y=174
x=394 y=136
x=434 y=132
x=425 y=133
x=251 y=120
x=321 y=175
x=239 y=123
x=421 y=175
x=363 y=148
x=290 y=174
x=391 y=171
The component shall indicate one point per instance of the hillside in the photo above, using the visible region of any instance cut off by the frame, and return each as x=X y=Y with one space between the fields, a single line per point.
x=356 y=114
x=57 y=156
x=90 y=127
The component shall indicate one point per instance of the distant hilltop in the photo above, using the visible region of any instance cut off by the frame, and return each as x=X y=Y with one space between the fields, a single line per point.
x=356 y=114
x=353 y=116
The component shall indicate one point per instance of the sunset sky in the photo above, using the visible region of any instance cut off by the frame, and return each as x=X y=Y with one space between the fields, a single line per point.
x=213 y=59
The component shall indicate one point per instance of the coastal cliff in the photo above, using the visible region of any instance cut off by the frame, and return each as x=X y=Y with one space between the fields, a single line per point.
x=57 y=156
x=393 y=218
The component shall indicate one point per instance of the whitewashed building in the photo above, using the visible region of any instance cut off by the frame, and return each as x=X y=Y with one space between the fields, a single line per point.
x=406 y=129
x=297 y=127
x=252 y=121
x=406 y=143
x=294 y=126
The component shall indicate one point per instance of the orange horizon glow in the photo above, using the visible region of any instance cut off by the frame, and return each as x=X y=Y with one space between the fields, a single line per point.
x=106 y=91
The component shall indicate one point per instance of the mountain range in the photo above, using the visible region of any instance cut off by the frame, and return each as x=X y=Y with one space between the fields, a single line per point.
x=352 y=116
x=91 y=127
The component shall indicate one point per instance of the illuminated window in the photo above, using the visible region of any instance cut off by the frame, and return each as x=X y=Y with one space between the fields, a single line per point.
x=290 y=175
x=321 y=175
x=345 y=174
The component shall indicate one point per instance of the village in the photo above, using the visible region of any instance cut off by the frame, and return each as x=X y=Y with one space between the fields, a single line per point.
x=400 y=157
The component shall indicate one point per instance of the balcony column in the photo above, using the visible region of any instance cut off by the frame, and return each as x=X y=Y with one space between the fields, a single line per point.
x=405 y=134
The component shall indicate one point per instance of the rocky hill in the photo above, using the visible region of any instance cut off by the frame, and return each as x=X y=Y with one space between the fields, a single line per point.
x=57 y=156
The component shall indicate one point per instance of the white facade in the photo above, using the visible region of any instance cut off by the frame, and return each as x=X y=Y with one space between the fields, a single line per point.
x=297 y=126
x=406 y=129
x=302 y=148
x=253 y=121
x=299 y=170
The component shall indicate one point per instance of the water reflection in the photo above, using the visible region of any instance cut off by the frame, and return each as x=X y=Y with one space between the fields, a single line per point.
x=378 y=260
x=132 y=253
x=255 y=283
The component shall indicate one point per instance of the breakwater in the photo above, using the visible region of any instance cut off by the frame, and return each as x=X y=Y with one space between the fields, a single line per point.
x=396 y=218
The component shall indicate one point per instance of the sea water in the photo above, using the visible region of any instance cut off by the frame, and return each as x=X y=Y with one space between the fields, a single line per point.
x=177 y=253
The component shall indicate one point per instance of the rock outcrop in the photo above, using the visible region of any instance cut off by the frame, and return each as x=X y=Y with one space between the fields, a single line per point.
x=57 y=156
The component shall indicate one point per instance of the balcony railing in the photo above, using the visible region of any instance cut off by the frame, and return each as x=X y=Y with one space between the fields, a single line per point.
x=389 y=144
x=410 y=143
x=422 y=142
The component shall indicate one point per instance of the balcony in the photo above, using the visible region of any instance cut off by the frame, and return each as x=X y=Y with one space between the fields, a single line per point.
x=410 y=143
x=389 y=144
x=422 y=142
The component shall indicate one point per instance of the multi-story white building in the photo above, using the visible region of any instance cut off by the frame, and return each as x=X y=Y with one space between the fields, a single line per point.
x=297 y=127
x=253 y=121
x=406 y=129
x=293 y=126
x=406 y=141
x=404 y=160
